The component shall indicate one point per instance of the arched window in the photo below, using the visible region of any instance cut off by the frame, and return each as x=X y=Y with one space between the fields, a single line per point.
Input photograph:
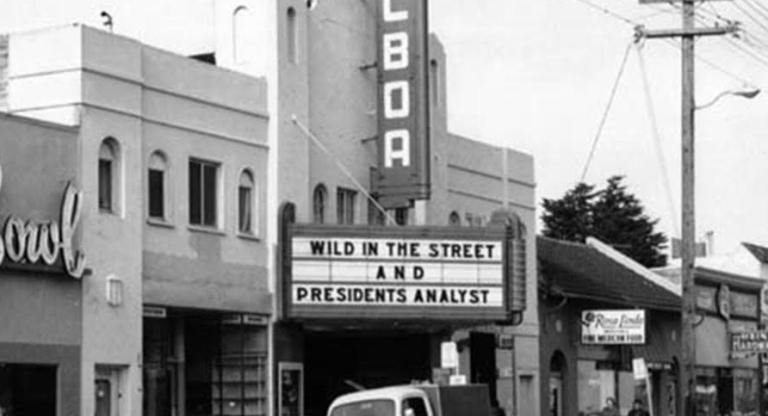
x=454 y=219
x=157 y=188
x=245 y=202
x=292 y=39
x=319 y=200
x=108 y=174
x=242 y=27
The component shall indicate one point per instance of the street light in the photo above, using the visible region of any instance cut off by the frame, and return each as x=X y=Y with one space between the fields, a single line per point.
x=688 y=257
x=747 y=93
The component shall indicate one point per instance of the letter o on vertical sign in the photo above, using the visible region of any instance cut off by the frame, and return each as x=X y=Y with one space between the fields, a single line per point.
x=403 y=172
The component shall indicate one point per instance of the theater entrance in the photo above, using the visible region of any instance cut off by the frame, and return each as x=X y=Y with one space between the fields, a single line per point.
x=338 y=362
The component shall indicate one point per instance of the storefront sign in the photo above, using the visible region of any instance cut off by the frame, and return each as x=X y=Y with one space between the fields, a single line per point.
x=749 y=342
x=613 y=326
x=47 y=242
x=397 y=272
x=403 y=134
x=764 y=304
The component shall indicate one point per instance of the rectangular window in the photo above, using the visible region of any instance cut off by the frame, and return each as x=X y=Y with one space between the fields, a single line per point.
x=375 y=216
x=105 y=185
x=245 y=204
x=345 y=206
x=156 y=194
x=203 y=177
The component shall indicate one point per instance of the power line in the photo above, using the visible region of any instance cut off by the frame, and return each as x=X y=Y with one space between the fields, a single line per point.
x=657 y=141
x=608 y=12
x=711 y=64
x=605 y=112
x=753 y=6
x=746 y=13
x=747 y=52
x=762 y=7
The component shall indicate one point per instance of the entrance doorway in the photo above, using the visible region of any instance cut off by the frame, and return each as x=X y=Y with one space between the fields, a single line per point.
x=335 y=362
x=556 y=368
x=482 y=360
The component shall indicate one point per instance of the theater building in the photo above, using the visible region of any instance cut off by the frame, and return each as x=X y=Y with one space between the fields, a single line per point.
x=170 y=314
x=352 y=122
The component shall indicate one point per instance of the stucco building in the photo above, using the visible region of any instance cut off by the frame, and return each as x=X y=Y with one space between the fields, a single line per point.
x=170 y=157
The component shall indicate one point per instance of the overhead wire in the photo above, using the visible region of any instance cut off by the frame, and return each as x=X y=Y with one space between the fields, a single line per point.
x=604 y=117
x=657 y=140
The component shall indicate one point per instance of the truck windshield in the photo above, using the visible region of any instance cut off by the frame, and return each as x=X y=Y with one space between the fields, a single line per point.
x=366 y=408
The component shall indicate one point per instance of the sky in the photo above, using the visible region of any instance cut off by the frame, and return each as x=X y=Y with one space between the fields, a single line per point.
x=536 y=76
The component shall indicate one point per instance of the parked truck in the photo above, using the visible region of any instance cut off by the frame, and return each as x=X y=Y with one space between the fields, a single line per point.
x=415 y=400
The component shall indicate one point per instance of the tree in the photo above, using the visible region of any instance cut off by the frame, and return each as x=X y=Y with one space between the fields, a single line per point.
x=612 y=215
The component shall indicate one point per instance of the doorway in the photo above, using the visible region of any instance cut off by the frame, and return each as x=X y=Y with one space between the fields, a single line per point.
x=482 y=360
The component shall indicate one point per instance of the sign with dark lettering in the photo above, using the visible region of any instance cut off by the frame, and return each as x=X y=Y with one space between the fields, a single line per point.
x=45 y=242
x=748 y=343
x=396 y=272
x=613 y=326
x=403 y=103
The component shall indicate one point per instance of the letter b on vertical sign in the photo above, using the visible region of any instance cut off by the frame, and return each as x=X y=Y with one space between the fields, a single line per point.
x=402 y=172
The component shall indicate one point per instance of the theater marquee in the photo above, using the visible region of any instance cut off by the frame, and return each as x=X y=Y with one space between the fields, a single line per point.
x=395 y=272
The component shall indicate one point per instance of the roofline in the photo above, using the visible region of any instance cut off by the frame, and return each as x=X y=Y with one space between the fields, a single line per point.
x=634 y=266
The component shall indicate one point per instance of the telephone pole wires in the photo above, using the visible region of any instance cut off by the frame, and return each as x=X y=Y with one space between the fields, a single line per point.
x=688 y=33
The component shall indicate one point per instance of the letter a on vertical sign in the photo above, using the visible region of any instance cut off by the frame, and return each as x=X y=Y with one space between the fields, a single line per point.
x=402 y=173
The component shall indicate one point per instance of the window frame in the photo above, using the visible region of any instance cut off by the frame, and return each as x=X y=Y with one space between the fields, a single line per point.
x=247 y=175
x=319 y=209
x=217 y=202
x=109 y=158
x=158 y=162
x=346 y=205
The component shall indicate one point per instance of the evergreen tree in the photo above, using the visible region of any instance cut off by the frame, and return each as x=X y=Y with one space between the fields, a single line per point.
x=612 y=215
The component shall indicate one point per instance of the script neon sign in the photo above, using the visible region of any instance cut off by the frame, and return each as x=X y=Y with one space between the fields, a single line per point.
x=37 y=241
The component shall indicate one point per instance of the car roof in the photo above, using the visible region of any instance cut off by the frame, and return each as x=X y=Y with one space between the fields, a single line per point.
x=394 y=392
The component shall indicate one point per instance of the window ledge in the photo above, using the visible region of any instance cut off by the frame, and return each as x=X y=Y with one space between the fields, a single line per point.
x=248 y=236
x=206 y=230
x=159 y=222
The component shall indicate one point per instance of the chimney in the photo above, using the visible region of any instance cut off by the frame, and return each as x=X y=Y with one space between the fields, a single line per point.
x=709 y=237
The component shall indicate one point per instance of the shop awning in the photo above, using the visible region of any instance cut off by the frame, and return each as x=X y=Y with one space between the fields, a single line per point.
x=656 y=358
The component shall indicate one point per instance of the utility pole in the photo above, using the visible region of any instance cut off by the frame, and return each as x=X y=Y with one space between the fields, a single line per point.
x=686 y=380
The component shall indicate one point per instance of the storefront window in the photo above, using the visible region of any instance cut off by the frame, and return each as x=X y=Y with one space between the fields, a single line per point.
x=595 y=387
x=27 y=389
x=600 y=381
x=726 y=391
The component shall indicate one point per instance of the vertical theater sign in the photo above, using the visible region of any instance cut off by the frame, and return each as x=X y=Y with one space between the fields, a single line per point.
x=402 y=173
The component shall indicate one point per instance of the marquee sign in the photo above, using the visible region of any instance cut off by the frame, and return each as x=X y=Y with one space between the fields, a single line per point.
x=403 y=102
x=613 y=326
x=395 y=272
x=45 y=242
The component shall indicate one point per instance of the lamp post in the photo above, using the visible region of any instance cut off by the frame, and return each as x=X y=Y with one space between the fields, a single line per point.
x=687 y=260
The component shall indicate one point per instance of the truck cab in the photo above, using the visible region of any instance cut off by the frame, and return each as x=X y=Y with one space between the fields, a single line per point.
x=415 y=400
x=387 y=401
